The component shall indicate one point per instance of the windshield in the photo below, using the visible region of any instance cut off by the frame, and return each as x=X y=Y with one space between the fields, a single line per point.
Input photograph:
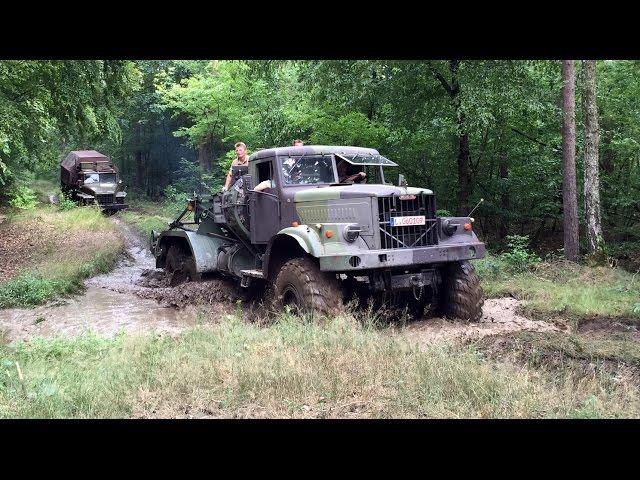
x=90 y=178
x=308 y=169
x=357 y=159
x=108 y=177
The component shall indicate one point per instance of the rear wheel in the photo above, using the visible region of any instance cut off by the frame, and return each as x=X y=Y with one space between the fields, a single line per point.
x=301 y=286
x=461 y=295
x=180 y=266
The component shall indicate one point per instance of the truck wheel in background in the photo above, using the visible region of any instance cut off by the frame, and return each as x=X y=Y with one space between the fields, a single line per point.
x=180 y=266
x=304 y=288
x=461 y=294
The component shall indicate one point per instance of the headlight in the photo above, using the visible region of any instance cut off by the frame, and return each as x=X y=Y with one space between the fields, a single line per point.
x=351 y=232
x=448 y=227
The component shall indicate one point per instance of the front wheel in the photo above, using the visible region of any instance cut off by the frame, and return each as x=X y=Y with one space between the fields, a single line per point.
x=180 y=266
x=461 y=295
x=303 y=287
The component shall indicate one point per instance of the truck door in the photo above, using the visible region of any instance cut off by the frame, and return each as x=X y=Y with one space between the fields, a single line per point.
x=264 y=213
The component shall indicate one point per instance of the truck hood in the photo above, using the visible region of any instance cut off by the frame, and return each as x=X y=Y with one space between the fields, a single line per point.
x=355 y=191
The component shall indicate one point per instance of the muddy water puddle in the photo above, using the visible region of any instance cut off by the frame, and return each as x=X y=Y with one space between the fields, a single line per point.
x=99 y=310
x=110 y=304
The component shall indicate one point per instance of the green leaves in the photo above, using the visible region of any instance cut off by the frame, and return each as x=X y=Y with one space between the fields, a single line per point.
x=46 y=105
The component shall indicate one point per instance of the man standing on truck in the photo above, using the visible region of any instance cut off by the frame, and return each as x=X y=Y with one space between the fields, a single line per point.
x=241 y=159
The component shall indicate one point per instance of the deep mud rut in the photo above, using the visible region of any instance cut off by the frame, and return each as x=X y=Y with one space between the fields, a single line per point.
x=135 y=298
x=499 y=316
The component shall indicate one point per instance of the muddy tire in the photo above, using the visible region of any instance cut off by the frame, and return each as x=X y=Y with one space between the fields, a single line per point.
x=304 y=288
x=180 y=266
x=461 y=293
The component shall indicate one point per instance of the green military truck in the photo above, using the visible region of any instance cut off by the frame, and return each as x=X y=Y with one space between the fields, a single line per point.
x=90 y=178
x=325 y=225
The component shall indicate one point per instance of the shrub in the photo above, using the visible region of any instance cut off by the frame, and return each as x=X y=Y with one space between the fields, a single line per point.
x=22 y=197
x=175 y=199
x=65 y=203
x=518 y=257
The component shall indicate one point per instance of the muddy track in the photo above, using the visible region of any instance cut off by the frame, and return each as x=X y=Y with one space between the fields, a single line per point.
x=499 y=316
x=135 y=298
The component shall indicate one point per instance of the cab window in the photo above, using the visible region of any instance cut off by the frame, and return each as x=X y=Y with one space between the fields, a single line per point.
x=264 y=171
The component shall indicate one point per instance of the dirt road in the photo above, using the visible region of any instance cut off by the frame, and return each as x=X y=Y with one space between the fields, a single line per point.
x=135 y=299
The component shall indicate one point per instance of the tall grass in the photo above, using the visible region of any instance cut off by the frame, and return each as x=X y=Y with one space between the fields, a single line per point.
x=79 y=243
x=288 y=369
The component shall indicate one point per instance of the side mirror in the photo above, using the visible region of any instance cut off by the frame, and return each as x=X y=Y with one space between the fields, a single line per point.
x=402 y=182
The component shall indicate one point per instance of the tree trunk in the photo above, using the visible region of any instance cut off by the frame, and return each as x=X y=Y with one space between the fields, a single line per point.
x=591 y=147
x=139 y=160
x=464 y=160
x=464 y=171
x=465 y=185
x=569 y=197
x=505 y=201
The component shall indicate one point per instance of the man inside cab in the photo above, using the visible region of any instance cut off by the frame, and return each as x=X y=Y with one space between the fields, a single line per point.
x=346 y=173
x=264 y=185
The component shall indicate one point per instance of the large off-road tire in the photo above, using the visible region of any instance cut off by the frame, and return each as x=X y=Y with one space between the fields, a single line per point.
x=180 y=266
x=304 y=288
x=461 y=295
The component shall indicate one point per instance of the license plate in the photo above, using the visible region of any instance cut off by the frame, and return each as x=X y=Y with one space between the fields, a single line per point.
x=407 y=221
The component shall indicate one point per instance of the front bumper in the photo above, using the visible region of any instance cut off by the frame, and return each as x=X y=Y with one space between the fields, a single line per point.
x=113 y=206
x=414 y=257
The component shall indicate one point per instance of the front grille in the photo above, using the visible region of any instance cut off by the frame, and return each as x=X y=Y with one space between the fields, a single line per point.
x=105 y=199
x=413 y=236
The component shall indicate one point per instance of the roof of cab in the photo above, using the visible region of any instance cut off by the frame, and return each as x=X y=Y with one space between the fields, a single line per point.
x=87 y=154
x=311 y=150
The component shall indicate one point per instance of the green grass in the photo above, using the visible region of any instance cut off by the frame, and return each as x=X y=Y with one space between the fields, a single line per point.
x=287 y=369
x=579 y=347
x=564 y=288
x=79 y=243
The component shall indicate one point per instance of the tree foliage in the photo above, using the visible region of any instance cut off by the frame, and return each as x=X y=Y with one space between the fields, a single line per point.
x=466 y=129
x=47 y=105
